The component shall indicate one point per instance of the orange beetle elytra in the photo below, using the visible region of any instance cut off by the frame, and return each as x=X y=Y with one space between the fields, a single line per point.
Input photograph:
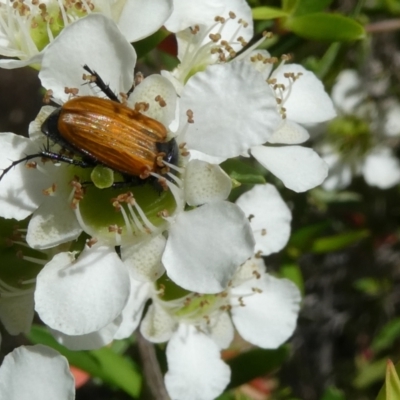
x=106 y=132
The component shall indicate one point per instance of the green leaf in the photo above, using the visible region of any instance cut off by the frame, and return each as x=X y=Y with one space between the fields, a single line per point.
x=310 y=6
x=112 y=368
x=258 y=362
x=289 y=5
x=333 y=393
x=387 y=335
x=144 y=46
x=262 y=13
x=372 y=286
x=293 y=273
x=329 y=27
x=328 y=60
x=370 y=374
x=391 y=387
x=302 y=239
x=338 y=242
x=242 y=172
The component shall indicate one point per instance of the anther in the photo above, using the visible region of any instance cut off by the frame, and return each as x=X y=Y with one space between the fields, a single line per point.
x=47 y=96
x=71 y=91
x=160 y=101
x=115 y=229
x=91 y=242
x=142 y=106
x=138 y=78
x=50 y=191
x=189 y=114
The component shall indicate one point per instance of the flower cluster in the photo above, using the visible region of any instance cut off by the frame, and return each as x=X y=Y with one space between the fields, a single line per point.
x=106 y=244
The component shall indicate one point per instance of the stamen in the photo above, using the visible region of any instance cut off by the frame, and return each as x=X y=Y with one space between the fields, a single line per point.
x=63 y=14
x=175 y=190
x=34 y=260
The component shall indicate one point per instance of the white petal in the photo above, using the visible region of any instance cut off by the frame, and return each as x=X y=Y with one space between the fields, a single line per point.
x=206 y=245
x=16 y=313
x=11 y=64
x=36 y=373
x=195 y=368
x=222 y=330
x=392 y=119
x=157 y=325
x=53 y=223
x=205 y=182
x=81 y=296
x=348 y=91
x=192 y=12
x=267 y=319
x=381 y=168
x=132 y=313
x=264 y=68
x=144 y=259
x=269 y=217
x=96 y=41
x=299 y=168
x=90 y=341
x=308 y=103
x=141 y=18
x=198 y=155
x=340 y=174
x=148 y=90
x=21 y=188
x=233 y=110
x=289 y=133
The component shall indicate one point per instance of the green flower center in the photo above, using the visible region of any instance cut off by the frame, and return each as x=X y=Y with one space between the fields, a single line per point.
x=350 y=136
x=131 y=210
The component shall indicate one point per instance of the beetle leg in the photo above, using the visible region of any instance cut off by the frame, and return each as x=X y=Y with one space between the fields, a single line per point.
x=102 y=85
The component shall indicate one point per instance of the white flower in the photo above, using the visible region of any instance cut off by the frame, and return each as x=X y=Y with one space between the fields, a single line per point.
x=216 y=225
x=26 y=29
x=294 y=93
x=36 y=372
x=262 y=308
x=301 y=99
x=208 y=32
x=360 y=141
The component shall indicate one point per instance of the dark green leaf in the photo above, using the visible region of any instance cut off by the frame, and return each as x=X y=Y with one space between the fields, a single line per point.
x=338 y=242
x=289 y=5
x=293 y=273
x=304 y=7
x=387 y=335
x=302 y=238
x=144 y=46
x=103 y=363
x=242 y=172
x=258 y=362
x=262 y=13
x=327 y=61
x=329 y=27
x=333 y=394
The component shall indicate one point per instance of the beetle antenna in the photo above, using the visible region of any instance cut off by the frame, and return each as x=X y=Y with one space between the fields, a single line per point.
x=14 y=163
x=101 y=84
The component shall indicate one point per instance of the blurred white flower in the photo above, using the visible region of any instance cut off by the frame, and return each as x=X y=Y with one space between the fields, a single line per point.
x=361 y=140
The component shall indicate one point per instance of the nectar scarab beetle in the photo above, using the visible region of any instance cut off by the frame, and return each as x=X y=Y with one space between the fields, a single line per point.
x=109 y=133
